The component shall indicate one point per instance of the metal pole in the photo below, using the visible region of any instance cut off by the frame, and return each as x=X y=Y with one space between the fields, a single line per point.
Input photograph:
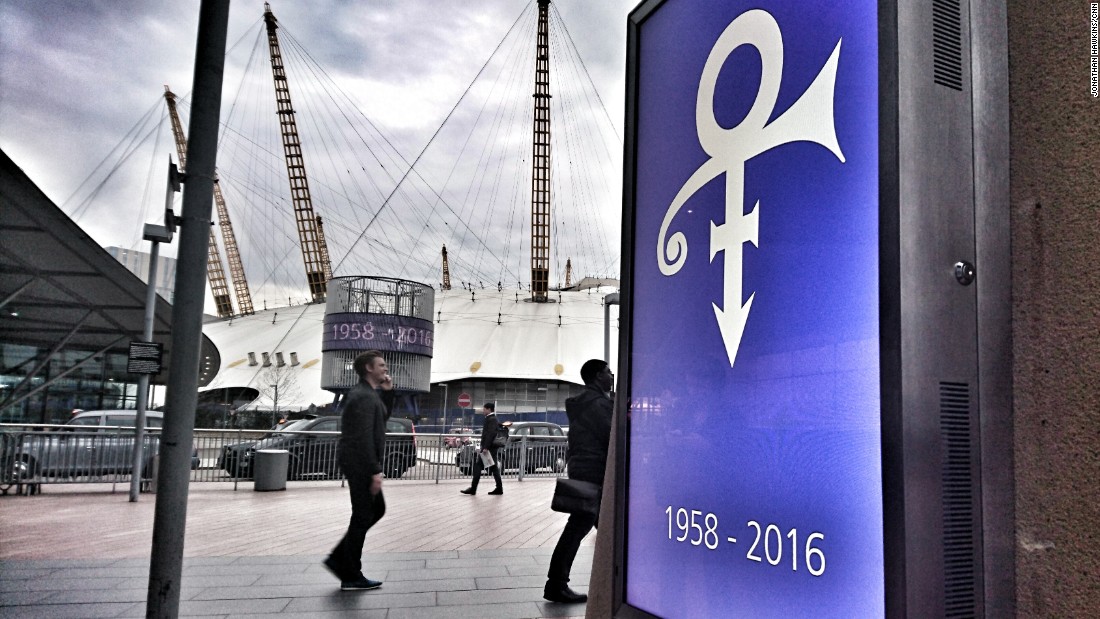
x=608 y=301
x=143 y=380
x=170 y=517
x=439 y=459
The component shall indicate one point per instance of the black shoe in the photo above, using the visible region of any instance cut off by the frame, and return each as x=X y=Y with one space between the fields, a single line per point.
x=563 y=594
x=469 y=491
x=360 y=584
x=332 y=566
x=497 y=491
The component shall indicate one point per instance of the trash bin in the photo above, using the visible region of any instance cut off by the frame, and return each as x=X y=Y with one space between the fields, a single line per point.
x=270 y=469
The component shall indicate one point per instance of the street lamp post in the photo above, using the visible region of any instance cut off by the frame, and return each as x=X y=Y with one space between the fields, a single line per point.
x=155 y=235
x=445 y=402
x=608 y=301
x=177 y=436
x=275 y=412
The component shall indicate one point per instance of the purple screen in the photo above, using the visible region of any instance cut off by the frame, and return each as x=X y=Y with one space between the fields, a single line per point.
x=755 y=485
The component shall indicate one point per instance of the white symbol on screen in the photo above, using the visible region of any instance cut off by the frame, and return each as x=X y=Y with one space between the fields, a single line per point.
x=809 y=119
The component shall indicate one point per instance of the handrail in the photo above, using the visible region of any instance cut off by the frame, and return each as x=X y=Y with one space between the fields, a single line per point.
x=86 y=454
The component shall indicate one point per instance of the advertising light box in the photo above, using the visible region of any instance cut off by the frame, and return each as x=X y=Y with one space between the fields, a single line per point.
x=754 y=483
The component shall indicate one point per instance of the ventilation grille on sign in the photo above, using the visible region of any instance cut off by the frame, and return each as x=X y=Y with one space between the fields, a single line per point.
x=958 y=501
x=947 y=43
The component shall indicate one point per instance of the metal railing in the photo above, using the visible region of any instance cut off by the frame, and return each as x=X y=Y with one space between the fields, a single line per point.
x=31 y=455
x=51 y=454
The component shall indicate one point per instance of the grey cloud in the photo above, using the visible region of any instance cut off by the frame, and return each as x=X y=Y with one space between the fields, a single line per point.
x=76 y=76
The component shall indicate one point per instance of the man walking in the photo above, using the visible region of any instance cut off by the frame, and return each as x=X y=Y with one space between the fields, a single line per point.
x=488 y=436
x=361 y=447
x=589 y=437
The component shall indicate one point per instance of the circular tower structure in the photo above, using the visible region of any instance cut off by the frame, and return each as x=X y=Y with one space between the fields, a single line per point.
x=393 y=316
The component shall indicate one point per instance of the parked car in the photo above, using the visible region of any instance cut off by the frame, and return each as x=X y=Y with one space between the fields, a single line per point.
x=546 y=447
x=236 y=458
x=88 y=444
x=458 y=437
x=312 y=444
x=400 y=453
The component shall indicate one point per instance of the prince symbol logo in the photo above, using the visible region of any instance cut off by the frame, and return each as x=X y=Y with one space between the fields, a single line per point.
x=809 y=119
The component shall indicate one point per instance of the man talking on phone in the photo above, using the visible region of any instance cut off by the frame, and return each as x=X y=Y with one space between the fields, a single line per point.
x=364 y=412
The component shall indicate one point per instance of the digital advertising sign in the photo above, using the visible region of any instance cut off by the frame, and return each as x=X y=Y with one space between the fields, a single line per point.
x=384 y=332
x=754 y=480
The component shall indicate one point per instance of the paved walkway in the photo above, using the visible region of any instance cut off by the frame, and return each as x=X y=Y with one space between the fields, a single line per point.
x=81 y=551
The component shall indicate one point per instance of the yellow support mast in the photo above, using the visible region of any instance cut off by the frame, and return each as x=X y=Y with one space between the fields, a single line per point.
x=325 y=262
x=446 y=271
x=310 y=234
x=540 y=162
x=233 y=254
x=214 y=272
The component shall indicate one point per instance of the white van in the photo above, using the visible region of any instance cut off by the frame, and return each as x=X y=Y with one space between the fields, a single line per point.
x=91 y=444
x=118 y=418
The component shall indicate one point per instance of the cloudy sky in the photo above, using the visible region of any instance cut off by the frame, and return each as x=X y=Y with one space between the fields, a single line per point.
x=77 y=75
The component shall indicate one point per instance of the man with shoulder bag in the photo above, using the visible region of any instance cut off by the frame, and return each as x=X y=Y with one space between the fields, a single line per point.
x=589 y=437
x=490 y=447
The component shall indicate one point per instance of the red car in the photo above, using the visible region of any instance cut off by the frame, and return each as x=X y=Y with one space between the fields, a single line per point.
x=458 y=437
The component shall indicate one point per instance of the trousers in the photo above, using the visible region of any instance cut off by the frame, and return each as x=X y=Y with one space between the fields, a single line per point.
x=478 y=467
x=366 y=510
x=561 y=562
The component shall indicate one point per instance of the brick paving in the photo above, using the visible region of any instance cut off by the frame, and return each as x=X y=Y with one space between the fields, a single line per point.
x=83 y=551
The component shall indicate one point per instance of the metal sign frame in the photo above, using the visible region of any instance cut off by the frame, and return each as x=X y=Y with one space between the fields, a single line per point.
x=944 y=324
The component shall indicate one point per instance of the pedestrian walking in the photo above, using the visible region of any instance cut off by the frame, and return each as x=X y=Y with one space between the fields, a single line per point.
x=360 y=449
x=589 y=437
x=489 y=432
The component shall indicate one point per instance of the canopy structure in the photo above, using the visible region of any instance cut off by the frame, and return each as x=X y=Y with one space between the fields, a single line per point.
x=479 y=333
x=62 y=293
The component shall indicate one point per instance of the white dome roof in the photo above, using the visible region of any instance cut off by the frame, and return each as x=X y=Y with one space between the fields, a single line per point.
x=483 y=334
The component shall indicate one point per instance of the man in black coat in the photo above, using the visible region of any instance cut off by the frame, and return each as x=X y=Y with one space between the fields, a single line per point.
x=360 y=451
x=488 y=435
x=589 y=437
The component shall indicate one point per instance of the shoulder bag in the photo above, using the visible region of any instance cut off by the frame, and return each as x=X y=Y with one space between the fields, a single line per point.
x=501 y=438
x=573 y=496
